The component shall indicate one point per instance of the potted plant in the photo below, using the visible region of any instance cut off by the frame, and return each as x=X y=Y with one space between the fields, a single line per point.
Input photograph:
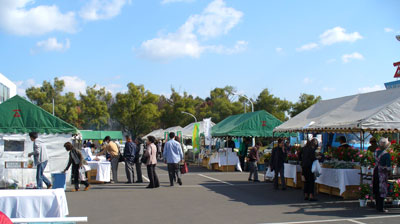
x=364 y=194
x=396 y=192
x=363 y=162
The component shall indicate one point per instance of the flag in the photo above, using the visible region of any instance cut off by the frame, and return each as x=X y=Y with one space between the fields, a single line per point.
x=196 y=138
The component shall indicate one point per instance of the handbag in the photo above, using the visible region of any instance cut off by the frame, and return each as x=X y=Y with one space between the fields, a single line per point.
x=184 y=168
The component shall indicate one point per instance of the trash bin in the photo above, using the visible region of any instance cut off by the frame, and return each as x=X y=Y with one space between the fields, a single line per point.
x=59 y=180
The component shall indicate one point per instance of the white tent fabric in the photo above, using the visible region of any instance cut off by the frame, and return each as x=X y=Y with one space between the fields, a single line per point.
x=187 y=131
x=156 y=133
x=374 y=111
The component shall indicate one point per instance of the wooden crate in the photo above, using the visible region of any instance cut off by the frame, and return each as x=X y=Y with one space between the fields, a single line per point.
x=350 y=193
x=290 y=181
x=230 y=168
x=214 y=166
x=91 y=174
x=204 y=162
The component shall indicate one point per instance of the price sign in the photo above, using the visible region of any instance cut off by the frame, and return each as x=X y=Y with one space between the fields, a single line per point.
x=14 y=164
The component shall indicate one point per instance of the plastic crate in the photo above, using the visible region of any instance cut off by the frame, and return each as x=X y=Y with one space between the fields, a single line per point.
x=59 y=180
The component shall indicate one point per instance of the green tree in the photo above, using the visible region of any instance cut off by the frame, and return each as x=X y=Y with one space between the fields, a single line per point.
x=273 y=105
x=137 y=110
x=221 y=104
x=66 y=106
x=305 y=101
x=95 y=108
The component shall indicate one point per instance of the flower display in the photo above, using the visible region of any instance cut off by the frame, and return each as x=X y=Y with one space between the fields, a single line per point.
x=365 y=191
x=343 y=154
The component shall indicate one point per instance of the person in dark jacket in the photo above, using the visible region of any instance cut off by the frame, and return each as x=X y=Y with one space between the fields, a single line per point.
x=129 y=158
x=76 y=159
x=138 y=156
x=278 y=158
x=230 y=143
x=307 y=157
x=253 y=158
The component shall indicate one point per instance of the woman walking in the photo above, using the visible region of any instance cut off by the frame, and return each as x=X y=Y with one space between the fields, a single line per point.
x=308 y=157
x=381 y=172
x=151 y=154
x=76 y=159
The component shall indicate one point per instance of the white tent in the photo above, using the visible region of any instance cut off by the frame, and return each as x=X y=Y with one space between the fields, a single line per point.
x=374 y=111
x=156 y=133
x=187 y=131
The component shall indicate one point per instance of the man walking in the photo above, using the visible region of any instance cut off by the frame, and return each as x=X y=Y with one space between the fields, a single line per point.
x=129 y=158
x=173 y=155
x=138 y=156
x=112 y=148
x=40 y=159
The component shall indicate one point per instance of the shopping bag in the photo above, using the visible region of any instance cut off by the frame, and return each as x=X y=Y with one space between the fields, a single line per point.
x=270 y=174
x=184 y=168
x=82 y=174
x=316 y=168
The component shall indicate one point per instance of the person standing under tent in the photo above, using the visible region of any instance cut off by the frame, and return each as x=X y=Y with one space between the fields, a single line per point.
x=173 y=155
x=277 y=163
x=151 y=153
x=343 y=142
x=373 y=146
x=308 y=157
x=40 y=160
x=76 y=159
x=111 y=148
x=138 y=156
x=230 y=143
x=129 y=158
x=381 y=173
x=253 y=158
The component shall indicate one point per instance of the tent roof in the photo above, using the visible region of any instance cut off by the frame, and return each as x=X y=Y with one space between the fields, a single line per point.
x=374 y=111
x=156 y=133
x=21 y=116
x=100 y=135
x=187 y=131
x=254 y=124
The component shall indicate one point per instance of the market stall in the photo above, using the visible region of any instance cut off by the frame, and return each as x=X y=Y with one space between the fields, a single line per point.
x=18 y=118
x=224 y=160
x=99 y=170
x=362 y=113
x=34 y=203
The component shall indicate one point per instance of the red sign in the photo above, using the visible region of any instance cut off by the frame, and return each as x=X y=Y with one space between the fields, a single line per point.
x=16 y=113
x=264 y=123
x=397 y=74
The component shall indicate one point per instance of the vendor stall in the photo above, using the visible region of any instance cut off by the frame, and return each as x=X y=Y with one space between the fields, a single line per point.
x=34 y=203
x=339 y=182
x=99 y=170
x=18 y=118
x=225 y=160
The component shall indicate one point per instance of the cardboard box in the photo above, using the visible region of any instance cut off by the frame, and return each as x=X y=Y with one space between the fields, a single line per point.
x=91 y=174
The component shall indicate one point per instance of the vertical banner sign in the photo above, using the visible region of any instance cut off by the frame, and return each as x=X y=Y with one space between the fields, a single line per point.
x=166 y=136
x=179 y=134
x=207 y=131
x=196 y=138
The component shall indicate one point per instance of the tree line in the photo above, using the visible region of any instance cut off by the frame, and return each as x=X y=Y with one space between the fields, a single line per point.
x=139 y=111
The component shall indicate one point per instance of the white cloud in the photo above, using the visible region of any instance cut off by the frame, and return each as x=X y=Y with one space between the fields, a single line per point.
x=328 y=89
x=102 y=9
x=17 y=18
x=347 y=57
x=338 y=34
x=174 y=1
x=388 y=30
x=307 y=47
x=330 y=61
x=371 y=89
x=214 y=21
x=74 y=84
x=279 y=50
x=51 y=44
x=23 y=85
x=307 y=81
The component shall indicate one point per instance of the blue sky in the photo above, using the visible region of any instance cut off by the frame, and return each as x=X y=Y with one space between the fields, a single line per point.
x=326 y=48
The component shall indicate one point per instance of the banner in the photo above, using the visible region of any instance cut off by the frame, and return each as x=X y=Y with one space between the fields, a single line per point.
x=196 y=138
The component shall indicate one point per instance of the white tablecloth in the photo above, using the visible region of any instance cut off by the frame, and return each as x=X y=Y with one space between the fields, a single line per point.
x=339 y=178
x=34 y=203
x=103 y=170
x=225 y=158
x=290 y=171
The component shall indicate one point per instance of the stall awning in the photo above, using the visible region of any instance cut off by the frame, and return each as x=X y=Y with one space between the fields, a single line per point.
x=254 y=124
x=17 y=115
x=100 y=135
x=374 y=111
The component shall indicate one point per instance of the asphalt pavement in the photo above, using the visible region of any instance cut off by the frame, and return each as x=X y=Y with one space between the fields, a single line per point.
x=214 y=197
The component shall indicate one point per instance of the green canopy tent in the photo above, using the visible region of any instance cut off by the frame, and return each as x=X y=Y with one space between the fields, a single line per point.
x=100 y=135
x=254 y=124
x=18 y=118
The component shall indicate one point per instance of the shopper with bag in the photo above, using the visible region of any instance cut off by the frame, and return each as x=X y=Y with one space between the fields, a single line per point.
x=76 y=160
x=151 y=155
x=308 y=158
x=173 y=155
x=278 y=158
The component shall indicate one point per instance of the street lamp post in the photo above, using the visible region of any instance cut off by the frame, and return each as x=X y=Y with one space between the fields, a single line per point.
x=252 y=110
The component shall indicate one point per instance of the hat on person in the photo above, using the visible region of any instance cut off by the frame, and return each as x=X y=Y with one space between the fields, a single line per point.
x=384 y=143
